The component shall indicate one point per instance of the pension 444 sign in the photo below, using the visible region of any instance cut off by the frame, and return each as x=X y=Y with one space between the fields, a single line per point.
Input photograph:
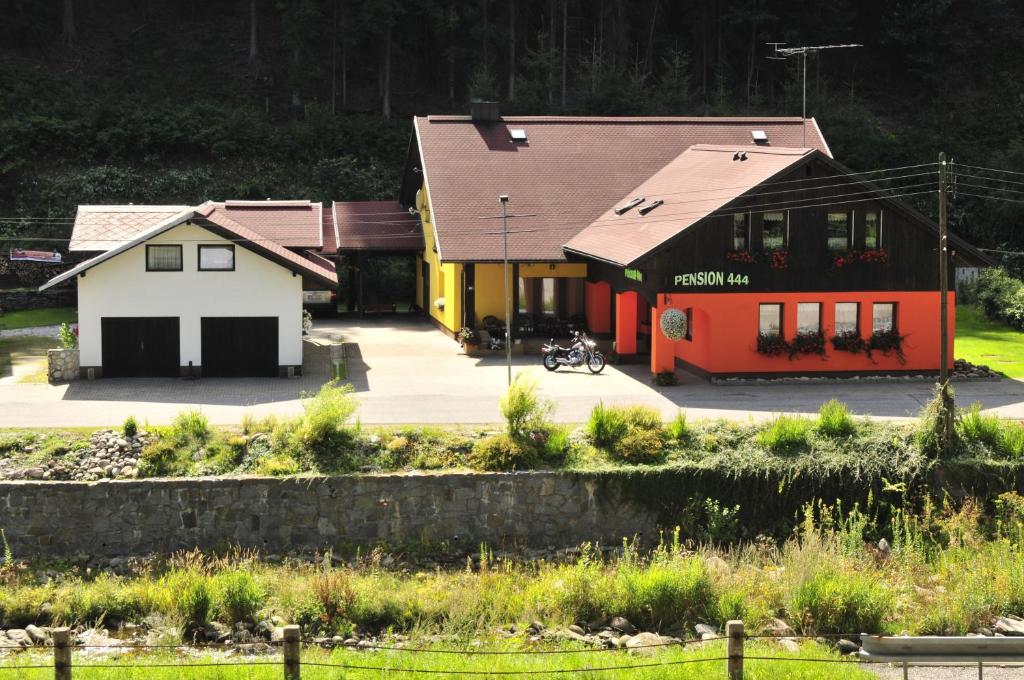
x=710 y=279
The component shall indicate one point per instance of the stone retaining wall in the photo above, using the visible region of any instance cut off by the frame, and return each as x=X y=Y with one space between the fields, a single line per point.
x=118 y=518
x=14 y=301
x=62 y=365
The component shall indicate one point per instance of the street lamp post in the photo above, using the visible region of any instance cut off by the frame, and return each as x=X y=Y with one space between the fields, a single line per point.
x=503 y=199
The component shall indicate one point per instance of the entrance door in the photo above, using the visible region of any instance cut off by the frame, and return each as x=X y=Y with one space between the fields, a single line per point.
x=425 y=271
x=237 y=347
x=140 y=347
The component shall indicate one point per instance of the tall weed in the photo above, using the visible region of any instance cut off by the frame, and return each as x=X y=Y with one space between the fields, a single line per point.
x=524 y=410
x=190 y=427
x=834 y=419
x=975 y=426
x=784 y=434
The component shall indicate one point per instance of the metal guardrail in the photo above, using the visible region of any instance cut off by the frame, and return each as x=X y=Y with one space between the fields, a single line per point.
x=930 y=649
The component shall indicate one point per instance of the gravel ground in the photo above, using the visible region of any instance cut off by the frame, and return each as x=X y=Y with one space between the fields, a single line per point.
x=43 y=331
x=891 y=672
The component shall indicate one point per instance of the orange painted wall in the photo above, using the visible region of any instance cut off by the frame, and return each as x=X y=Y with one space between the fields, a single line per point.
x=663 y=355
x=725 y=332
x=626 y=322
x=599 y=306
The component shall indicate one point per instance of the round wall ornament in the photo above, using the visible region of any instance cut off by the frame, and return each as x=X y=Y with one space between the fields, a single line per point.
x=673 y=324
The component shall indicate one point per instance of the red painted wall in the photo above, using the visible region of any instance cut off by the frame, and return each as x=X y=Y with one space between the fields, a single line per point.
x=725 y=329
x=598 y=302
x=626 y=322
x=663 y=355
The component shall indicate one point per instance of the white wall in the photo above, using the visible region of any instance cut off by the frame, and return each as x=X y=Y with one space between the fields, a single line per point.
x=121 y=286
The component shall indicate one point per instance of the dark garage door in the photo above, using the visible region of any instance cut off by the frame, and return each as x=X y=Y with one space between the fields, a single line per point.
x=140 y=347
x=235 y=347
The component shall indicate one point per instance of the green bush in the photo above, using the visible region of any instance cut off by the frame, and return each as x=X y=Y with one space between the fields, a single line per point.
x=164 y=459
x=607 y=426
x=975 y=426
x=523 y=409
x=643 y=417
x=834 y=419
x=640 y=446
x=67 y=337
x=678 y=429
x=664 y=593
x=501 y=452
x=840 y=601
x=1011 y=439
x=194 y=603
x=324 y=430
x=1001 y=296
x=277 y=465
x=130 y=427
x=239 y=597
x=190 y=427
x=784 y=434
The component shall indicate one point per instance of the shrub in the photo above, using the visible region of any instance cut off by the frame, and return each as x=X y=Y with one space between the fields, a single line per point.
x=840 y=601
x=278 y=465
x=607 y=425
x=643 y=417
x=1011 y=439
x=130 y=427
x=239 y=597
x=640 y=446
x=500 y=452
x=1001 y=296
x=557 y=444
x=785 y=434
x=523 y=409
x=194 y=604
x=664 y=593
x=834 y=419
x=324 y=430
x=336 y=598
x=67 y=337
x=678 y=428
x=937 y=419
x=190 y=427
x=164 y=459
x=975 y=426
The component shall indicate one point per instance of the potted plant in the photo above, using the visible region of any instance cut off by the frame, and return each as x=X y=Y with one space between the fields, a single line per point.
x=807 y=342
x=469 y=339
x=772 y=344
x=887 y=342
x=849 y=341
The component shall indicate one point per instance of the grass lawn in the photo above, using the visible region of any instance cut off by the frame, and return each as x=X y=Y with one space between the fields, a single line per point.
x=674 y=664
x=25 y=357
x=50 y=316
x=983 y=341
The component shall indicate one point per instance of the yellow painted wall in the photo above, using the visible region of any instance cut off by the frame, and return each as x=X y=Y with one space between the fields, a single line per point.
x=419 y=280
x=445 y=278
x=490 y=293
x=555 y=270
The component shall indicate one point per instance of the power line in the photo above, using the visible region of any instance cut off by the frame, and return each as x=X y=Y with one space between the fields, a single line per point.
x=979 y=167
x=991 y=198
x=982 y=186
x=989 y=179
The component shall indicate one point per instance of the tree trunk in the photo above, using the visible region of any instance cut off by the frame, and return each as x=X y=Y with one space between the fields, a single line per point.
x=69 y=36
x=565 y=44
x=254 y=49
x=511 y=50
x=386 y=108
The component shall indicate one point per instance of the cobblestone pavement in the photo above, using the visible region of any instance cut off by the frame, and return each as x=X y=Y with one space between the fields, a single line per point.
x=406 y=371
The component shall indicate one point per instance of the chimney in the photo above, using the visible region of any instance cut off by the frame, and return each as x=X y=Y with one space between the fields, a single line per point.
x=484 y=112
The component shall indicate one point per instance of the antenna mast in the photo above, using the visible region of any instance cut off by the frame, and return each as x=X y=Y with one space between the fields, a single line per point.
x=784 y=52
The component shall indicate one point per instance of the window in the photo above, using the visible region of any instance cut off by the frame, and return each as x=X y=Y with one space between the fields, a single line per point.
x=548 y=301
x=847 y=314
x=808 y=317
x=525 y=296
x=770 y=322
x=216 y=258
x=872 y=229
x=740 y=231
x=883 y=317
x=163 y=258
x=838 y=231
x=774 y=231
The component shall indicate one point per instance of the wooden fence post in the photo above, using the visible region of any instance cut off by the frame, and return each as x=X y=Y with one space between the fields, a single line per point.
x=292 y=665
x=61 y=653
x=734 y=649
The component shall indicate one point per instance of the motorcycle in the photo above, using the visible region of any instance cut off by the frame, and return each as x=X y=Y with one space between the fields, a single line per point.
x=582 y=351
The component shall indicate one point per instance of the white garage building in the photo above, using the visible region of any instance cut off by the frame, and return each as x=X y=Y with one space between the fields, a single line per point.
x=214 y=290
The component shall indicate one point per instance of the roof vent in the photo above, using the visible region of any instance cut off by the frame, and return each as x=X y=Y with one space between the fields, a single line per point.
x=484 y=112
x=517 y=134
x=650 y=206
x=629 y=206
x=759 y=136
x=740 y=156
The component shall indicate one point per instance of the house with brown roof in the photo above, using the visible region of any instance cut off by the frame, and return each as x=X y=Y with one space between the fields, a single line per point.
x=769 y=255
x=210 y=290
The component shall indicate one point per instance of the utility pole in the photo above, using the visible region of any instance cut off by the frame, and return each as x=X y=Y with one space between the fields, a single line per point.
x=783 y=52
x=503 y=199
x=943 y=271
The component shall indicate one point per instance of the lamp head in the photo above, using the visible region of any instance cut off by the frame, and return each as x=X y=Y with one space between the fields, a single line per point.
x=503 y=198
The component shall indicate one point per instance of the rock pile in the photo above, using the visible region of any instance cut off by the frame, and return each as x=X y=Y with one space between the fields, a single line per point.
x=110 y=455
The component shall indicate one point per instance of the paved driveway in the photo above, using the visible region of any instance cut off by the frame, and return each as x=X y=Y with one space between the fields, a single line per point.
x=405 y=371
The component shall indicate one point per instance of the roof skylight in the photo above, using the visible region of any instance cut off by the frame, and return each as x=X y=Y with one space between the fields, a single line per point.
x=759 y=136
x=517 y=134
x=629 y=206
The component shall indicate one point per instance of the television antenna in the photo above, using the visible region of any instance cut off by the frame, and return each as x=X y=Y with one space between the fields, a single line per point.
x=782 y=53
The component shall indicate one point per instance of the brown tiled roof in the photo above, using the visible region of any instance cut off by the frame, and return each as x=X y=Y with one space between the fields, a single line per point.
x=567 y=172
x=102 y=227
x=293 y=224
x=377 y=225
x=330 y=233
x=698 y=182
